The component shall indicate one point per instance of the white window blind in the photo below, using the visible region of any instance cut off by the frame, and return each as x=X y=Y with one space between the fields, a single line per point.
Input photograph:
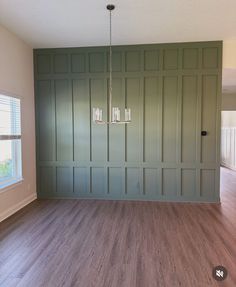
x=10 y=122
x=10 y=141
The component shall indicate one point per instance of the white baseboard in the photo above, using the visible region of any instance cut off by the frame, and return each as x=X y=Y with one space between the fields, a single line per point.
x=17 y=207
x=228 y=166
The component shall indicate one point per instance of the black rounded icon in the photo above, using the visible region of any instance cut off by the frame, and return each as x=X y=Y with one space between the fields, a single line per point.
x=219 y=273
x=110 y=7
x=204 y=133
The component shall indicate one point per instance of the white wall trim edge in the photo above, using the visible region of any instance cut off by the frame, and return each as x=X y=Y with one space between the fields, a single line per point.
x=17 y=207
x=228 y=166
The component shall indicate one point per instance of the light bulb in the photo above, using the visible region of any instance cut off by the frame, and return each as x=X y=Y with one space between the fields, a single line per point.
x=128 y=115
x=100 y=115
x=117 y=114
x=97 y=115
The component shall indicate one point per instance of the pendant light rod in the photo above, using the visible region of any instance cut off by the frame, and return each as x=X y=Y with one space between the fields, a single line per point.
x=110 y=8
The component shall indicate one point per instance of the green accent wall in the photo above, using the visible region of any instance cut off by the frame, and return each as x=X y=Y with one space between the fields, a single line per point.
x=174 y=91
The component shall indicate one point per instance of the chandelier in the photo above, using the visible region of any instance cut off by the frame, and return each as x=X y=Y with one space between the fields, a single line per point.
x=114 y=114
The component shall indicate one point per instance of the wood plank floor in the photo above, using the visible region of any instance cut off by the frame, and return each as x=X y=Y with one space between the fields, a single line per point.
x=88 y=243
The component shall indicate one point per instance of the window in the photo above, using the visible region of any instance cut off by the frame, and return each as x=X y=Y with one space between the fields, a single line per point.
x=10 y=141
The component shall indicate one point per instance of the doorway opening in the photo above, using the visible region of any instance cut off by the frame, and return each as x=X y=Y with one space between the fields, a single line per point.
x=228 y=139
x=228 y=153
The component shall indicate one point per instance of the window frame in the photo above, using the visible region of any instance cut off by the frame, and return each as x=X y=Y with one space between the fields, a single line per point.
x=16 y=147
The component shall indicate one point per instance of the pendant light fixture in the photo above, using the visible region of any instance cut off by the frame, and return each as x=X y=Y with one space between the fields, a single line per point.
x=114 y=115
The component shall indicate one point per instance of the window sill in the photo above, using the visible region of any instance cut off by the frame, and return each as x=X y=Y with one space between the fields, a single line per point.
x=10 y=184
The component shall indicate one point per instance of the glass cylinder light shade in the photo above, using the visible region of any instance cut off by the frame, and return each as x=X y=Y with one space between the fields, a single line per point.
x=115 y=114
x=128 y=115
x=97 y=115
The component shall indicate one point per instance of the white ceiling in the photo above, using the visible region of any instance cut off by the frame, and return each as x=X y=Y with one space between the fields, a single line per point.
x=68 y=23
x=76 y=23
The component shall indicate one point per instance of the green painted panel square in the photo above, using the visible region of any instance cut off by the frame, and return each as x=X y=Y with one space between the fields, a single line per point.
x=98 y=181
x=46 y=177
x=209 y=118
x=115 y=181
x=43 y=64
x=169 y=132
x=64 y=180
x=61 y=63
x=64 y=118
x=189 y=118
x=169 y=181
x=151 y=120
x=188 y=182
x=133 y=139
x=132 y=59
x=81 y=181
x=170 y=59
x=133 y=187
x=208 y=183
x=81 y=117
x=78 y=63
x=96 y=62
x=151 y=185
x=210 y=58
x=46 y=121
x=190 y=58
x=151 y=60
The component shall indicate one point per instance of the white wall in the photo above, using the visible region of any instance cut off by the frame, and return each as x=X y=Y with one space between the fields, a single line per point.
x=16 y=77
x=229 y=54
x=229 y=75
x=228 y=102
x=228 y=119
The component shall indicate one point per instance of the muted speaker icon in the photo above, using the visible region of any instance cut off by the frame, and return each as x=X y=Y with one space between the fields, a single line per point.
x=219 y=273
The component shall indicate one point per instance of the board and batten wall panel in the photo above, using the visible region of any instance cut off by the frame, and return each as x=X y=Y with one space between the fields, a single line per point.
x=46 y=121
x=64 y=126
x=81 y=119
x=169 y=131
x=174 y=92
x=189 y=116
